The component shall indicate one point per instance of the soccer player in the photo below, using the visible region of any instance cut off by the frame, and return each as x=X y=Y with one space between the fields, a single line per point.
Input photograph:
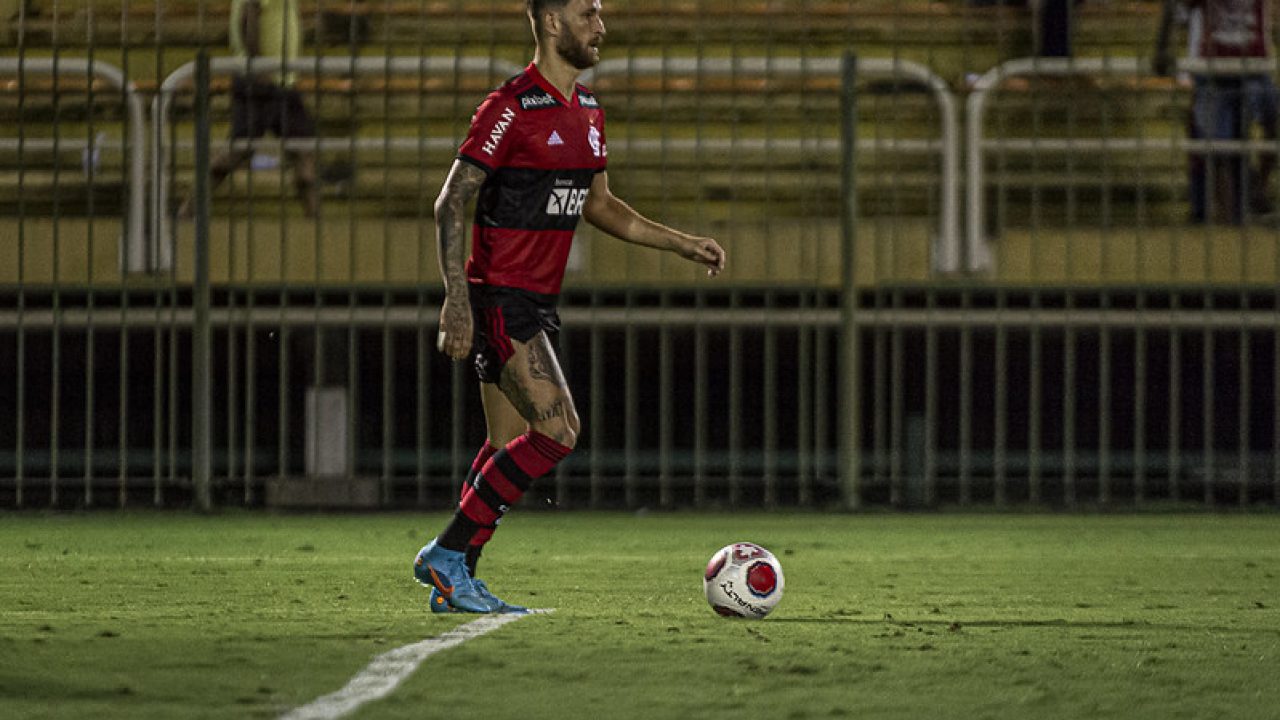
x=535 y=156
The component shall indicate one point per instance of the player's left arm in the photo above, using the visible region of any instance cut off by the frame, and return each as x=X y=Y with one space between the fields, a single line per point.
x=609 y=213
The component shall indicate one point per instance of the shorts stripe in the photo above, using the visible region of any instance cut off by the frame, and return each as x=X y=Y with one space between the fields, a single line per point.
x=506 y=350
x=498 y=333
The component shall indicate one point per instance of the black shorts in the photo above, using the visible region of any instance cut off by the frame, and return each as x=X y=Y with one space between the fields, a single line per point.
x=503 y=314
x=258 y=108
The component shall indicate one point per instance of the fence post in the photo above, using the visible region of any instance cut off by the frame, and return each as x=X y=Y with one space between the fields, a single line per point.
x=850 y=457
x=200 y=330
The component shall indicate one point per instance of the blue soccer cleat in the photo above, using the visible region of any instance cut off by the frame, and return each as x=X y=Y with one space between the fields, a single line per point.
x=438 y=602
x=503 y=605
x=440 y=605
x=446 y=572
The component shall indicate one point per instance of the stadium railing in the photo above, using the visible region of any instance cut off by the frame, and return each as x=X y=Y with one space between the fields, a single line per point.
x=894 y=320
x=980 y=257
x=350 y=66
x=947 y=249
x=134 y=256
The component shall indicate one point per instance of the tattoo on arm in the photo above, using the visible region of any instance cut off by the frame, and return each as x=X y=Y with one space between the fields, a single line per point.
x=451 y=229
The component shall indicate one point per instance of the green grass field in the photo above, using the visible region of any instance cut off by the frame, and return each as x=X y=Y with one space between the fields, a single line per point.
x=885 y=616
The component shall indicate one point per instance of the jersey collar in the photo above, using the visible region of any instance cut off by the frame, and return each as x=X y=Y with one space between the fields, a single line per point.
x=545 y=84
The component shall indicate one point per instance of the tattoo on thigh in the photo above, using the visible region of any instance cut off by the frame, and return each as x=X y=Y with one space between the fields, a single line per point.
x=534 y=385
x=541 y=365
x=556 y=410
x=523 y=400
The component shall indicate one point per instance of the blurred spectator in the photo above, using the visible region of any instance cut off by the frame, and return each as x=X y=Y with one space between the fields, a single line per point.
x=267 y=101
x=1054 y=22
x=13 y=13
x=1193 y=19
x=1227 y=107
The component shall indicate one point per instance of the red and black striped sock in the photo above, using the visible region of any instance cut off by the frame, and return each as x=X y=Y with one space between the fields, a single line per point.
x=486 y=451
x=468 y=487
x=503 y=480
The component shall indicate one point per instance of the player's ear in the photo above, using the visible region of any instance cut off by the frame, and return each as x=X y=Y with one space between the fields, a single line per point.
x=551 y=23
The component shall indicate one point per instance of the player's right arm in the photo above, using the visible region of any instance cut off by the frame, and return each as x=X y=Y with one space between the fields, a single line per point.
x=463 y=183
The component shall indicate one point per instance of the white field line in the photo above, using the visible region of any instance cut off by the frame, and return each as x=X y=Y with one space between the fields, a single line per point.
x=389 y=669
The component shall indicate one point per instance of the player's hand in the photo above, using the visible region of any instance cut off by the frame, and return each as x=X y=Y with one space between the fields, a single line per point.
x=703 y=250
x=454 y=339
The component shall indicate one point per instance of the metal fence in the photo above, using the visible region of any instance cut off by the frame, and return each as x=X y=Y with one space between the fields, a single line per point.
x=1063 y=336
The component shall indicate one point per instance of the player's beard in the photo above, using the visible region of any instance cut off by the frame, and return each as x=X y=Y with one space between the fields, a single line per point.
x=577 y=54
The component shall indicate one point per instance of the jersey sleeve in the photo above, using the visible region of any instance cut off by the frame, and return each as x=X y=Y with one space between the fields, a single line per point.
x=487 y=144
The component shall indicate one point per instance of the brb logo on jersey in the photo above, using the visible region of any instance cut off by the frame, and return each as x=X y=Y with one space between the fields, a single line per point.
x=566 y=201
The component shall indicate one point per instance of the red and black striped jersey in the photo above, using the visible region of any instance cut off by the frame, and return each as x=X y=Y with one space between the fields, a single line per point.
x=540 y=151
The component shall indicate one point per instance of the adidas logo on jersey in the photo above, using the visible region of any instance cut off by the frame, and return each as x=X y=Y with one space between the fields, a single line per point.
x=555 y=139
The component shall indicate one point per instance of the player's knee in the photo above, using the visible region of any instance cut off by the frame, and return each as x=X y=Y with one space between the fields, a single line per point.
x=575 y=424
x=501 y=440
x=572 y=430
x=563 y=429
x=561 y=433
x=569 y=439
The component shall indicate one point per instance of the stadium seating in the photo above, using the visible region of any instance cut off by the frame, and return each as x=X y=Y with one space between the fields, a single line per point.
x=749 y=193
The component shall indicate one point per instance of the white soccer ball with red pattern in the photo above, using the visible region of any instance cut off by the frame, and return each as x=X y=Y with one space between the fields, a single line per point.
x=743 y=580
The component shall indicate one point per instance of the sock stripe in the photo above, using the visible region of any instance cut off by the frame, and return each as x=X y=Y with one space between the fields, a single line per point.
x=536 y=454
x=478 y=512
x=548 y=448
x=512 y=471
x=500 y=483
x=460 y=532
x=495 y=478
x=490 y=497
x=483 y=456
x=486 y=451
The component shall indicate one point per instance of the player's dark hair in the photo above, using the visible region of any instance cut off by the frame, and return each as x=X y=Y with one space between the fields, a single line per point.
x=536 y=8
